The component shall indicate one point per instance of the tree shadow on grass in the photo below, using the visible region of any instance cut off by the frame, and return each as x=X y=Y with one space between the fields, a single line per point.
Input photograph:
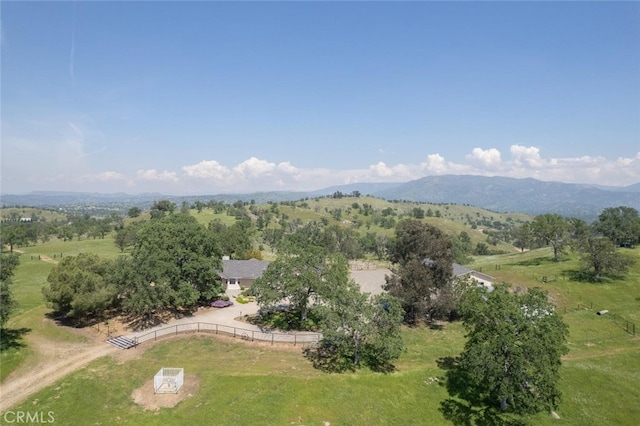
x=142 y=322
x=331 y=358
x=466 y=405
x=12 y=338
x=587 y=276
x=328 y=358
x=463 y=413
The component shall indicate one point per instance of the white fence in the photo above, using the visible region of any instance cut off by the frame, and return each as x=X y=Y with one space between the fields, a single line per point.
x=246 y=334
x=168 y=380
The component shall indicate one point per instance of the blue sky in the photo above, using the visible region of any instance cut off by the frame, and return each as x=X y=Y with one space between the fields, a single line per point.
x=210 y=97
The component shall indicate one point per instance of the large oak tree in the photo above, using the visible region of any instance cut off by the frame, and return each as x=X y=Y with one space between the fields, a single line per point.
x=424 y=258
x=511 y=360
x=553 y=230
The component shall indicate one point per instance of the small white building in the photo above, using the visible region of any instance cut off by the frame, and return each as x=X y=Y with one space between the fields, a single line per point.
x=482 y=279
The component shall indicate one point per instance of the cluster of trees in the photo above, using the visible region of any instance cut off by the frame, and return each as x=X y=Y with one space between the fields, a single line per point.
x=596 y=243
x=311 y=275
x=19 y=234
x=8 y=263
x=172 y=267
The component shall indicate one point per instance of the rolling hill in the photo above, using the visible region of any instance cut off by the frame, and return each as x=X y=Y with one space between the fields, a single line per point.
x=498 y=194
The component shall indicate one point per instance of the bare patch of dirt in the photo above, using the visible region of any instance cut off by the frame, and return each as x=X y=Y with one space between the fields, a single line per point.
x=150 y=401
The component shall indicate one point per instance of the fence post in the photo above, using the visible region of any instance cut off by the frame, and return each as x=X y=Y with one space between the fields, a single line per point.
x=198 y=326
x=252 y=334
x=155 y=335
x=272 y=339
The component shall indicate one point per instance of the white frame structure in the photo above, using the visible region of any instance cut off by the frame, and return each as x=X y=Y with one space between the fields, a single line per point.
x=168 y=380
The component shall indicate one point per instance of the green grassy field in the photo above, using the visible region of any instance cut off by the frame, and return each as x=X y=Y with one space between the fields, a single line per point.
x=244 y=384
x=241 y=384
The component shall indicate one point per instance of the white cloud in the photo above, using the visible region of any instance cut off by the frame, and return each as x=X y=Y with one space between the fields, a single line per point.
x=436 y=164
x=526 y=156
x=489 y=158
x=288 y=169
x=107 y=176
x=255 y=174
x=154 y=175
x=381 y=169
x=254 y=167
x=207 y=170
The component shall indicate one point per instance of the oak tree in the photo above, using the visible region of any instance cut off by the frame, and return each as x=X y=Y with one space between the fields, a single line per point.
x=511 y=360
x=8 y=303
x=552 y=229
x=424 y=258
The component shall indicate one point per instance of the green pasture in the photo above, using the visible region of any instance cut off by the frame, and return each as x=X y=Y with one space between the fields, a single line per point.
x=245 y=384
x=242 y=384
x=620 y=296
x=55 y=248
x=207 y=215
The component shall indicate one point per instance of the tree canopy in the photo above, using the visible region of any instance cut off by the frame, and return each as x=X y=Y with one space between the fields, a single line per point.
x=180 y=256
x=423 y=255
x=173 y=266
x=80 y=286
x=552 y=229
x=600 y=257
x=620 y=224
x=298 y=275
x=8 y=263
x=511 y=360
x=358 y=330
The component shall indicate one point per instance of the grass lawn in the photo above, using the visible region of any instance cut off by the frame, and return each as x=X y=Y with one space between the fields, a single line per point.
x=244 y=384
x=104 y=247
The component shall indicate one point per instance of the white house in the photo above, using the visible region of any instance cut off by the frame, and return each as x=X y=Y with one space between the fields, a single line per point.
x=241 y=273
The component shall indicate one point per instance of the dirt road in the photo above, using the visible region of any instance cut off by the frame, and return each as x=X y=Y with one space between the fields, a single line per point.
x=15 y=390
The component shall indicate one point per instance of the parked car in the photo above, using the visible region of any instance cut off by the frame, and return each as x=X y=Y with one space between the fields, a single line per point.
x=221 y=303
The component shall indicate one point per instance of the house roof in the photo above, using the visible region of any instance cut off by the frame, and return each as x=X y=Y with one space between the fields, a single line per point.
x=247 y=269
x=459 y=270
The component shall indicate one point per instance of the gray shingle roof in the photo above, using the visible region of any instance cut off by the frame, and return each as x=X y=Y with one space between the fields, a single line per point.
x=247 y=269
x=459 y=270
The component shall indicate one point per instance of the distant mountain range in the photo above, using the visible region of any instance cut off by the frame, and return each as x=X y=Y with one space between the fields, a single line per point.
x=499 y=194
